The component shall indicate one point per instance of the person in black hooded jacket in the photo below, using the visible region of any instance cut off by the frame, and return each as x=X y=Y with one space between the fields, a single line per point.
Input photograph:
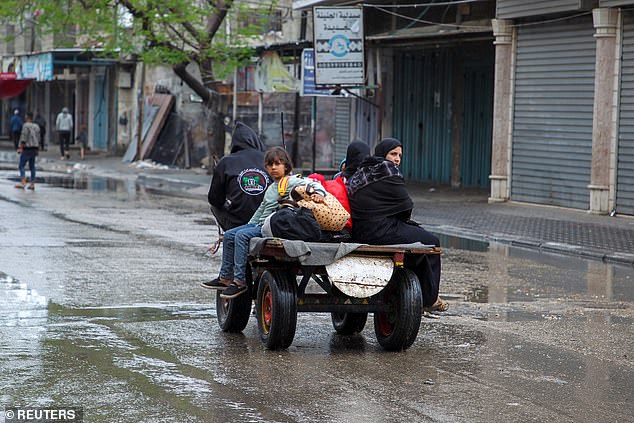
x=239 y=180
x=381 y=210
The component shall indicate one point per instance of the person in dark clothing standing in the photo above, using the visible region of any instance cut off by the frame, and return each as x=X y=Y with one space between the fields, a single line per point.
x=239 y=180
x=16 y=127
x=381 y=210
x=41 y=122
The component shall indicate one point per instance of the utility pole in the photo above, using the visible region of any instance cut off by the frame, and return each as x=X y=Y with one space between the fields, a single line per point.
x=141 y=100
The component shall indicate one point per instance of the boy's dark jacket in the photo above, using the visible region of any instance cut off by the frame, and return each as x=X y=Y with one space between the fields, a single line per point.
x=240 y=179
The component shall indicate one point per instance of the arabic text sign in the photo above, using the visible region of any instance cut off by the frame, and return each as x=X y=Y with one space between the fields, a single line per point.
x=339 y=56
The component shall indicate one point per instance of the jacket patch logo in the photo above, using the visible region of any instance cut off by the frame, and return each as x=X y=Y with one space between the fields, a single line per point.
x=253 y=181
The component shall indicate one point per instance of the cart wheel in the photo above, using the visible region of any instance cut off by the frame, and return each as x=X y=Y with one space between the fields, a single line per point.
x=348 y=323
x=276 y=309
x=397 y=328
x=233 y=314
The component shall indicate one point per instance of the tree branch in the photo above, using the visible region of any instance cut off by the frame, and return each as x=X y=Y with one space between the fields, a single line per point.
x=194 y=83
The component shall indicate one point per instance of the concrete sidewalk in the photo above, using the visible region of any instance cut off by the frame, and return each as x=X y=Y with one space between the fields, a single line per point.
x=462 y=213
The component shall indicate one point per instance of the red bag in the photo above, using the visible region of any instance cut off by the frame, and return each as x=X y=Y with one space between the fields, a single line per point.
x=337 y=188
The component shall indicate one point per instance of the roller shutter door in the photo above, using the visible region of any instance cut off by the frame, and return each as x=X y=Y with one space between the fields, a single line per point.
x=342 y=130
x=625 y=153
x=552 y=125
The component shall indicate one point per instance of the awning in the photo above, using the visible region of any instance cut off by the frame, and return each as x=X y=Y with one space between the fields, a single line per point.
x=10 y=86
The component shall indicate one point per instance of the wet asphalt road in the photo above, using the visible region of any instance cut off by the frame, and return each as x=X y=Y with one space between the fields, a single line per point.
x=100 y=307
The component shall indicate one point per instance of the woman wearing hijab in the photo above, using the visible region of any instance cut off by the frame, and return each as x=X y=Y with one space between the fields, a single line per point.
x=357 y=151
x=381 y=209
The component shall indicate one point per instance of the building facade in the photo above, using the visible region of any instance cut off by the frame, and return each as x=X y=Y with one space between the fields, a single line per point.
x=562 y=133
x=62 y=77
x=530 y=100
x=429 y=82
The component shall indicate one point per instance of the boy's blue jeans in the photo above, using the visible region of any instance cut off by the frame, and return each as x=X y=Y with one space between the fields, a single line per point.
x=235 y=250
x=27 y=156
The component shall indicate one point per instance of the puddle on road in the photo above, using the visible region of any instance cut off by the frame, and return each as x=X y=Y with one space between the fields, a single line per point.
x=450 y=241
x=140 y=312
x=82 y=182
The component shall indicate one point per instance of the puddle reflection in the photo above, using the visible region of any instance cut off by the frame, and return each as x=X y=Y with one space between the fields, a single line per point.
x=84 y=182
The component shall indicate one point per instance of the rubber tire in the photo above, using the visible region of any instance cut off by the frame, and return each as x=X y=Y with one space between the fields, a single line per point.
x=397 y=329
x=233 y=314
x=348 y=323
x=276 y=309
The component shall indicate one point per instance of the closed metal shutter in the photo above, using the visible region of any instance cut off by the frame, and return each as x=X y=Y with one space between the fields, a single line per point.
x=552 y=124
x=625 y=153
x=422 y=116
x=342 y=129
x=508 y=9
x=365 y=122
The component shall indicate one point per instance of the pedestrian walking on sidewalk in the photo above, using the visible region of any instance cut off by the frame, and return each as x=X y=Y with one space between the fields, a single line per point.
x=28 y=150
x=64 y=127
x=41 y=122
x=16 y=127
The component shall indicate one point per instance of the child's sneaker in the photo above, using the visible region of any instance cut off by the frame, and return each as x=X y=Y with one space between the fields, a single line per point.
x=234 y=290
x=214 y=284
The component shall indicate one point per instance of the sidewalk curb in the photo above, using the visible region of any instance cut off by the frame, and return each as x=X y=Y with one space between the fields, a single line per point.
x=517 y=241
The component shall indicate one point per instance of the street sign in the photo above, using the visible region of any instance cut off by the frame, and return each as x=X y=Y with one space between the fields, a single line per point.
x=308 y=86
x=339 y=54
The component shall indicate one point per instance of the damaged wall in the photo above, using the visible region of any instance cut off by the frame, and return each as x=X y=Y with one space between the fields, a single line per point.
x=161 y=79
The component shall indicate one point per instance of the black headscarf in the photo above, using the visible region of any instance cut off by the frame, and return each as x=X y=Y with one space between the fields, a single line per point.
x=357 y=151
x=385 y=146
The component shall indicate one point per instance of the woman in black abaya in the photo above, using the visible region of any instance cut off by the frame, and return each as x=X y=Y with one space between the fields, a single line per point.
x=381 y=210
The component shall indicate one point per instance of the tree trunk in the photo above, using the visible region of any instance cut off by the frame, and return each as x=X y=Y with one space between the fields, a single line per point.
x=213 y=102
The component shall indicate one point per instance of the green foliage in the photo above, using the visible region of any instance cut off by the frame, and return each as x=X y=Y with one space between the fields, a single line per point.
x=166 y=32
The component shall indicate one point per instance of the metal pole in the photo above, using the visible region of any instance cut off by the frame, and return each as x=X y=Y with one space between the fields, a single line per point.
x=139 y=141
x=313 y=125
x=260 y=112
x=235 y=96
x=282 y=129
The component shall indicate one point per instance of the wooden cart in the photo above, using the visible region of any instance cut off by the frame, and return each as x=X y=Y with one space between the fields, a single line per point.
x=368 y=279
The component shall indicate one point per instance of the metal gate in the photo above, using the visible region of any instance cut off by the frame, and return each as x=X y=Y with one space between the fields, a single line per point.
x=342 y=129
x=100 y=117
x=477 y=129
x=552 y=124
x=422 y=114
x=625 y=152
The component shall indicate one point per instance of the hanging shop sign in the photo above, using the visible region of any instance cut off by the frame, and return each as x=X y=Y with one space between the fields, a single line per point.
x=339 y=54
x=37 y=66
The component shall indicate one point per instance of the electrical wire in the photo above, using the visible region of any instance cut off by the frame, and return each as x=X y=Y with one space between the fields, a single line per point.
x=399 y=15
